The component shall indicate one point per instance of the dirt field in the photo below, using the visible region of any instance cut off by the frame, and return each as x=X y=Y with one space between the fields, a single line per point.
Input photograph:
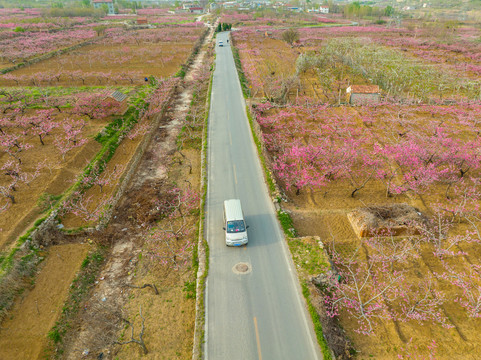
x=125 y=59
x=277 y=61
x=121 y=158
x=22 y=335
x=57 y=176
x=326 y=217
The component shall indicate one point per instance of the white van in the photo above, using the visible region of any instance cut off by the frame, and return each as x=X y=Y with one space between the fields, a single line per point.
x=221 y=43
x=234 y=224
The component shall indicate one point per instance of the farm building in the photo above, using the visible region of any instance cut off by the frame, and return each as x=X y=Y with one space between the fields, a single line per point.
x=187 y=6
x=100 y=3
x=145 y=3
x=362 y=94
x=142 y=20
x=196 y=10
x=324 y=9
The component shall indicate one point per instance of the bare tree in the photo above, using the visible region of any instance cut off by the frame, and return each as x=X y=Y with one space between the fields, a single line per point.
x=290 y=36
x=144 y=286
x=140 y=340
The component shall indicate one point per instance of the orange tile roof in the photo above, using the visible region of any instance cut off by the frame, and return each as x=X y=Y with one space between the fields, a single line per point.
x=364 y=89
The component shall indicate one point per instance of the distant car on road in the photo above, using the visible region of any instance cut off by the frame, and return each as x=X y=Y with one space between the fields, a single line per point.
x=221 y=43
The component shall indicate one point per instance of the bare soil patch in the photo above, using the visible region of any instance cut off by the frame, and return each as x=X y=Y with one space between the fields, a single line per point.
x=121 y=158
x=99 y=317
x=390 y=219
x=23 y=333
x=325 y=214
x=104 y=63
x=276 y=62
x=169 y=324
x=57 y=176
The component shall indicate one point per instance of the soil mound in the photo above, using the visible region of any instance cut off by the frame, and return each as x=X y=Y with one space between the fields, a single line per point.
x=393 y=219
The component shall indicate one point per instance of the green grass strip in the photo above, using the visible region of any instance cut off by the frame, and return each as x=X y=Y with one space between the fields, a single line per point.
x=6 y=260
x=203 y=278
x=240 y=72
x=286 y=223
x=79 y=290
x=268 y=174
x=326 y=352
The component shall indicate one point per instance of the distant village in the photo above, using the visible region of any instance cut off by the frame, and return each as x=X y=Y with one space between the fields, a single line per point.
x=198 y=8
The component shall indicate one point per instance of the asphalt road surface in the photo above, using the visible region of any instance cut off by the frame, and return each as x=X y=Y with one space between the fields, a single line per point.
x=254 y=308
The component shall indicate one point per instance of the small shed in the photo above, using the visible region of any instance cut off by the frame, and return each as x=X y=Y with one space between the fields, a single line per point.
x=196 y=10
x=362 y=94
x=117 y=95
x=324 y=9
x=142 y=20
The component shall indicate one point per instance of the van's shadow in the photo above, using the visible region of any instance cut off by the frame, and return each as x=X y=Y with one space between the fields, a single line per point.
x=262 y=230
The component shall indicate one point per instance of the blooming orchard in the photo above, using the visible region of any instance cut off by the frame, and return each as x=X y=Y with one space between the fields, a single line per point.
x=320 y=146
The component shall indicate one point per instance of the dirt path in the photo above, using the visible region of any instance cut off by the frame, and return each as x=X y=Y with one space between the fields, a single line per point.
x=108 y=296
x=23 y=333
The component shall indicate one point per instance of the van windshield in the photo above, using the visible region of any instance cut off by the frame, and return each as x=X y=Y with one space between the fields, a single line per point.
x=236 y=226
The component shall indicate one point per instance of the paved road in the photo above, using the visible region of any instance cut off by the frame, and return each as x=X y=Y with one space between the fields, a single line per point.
x=258 y=314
